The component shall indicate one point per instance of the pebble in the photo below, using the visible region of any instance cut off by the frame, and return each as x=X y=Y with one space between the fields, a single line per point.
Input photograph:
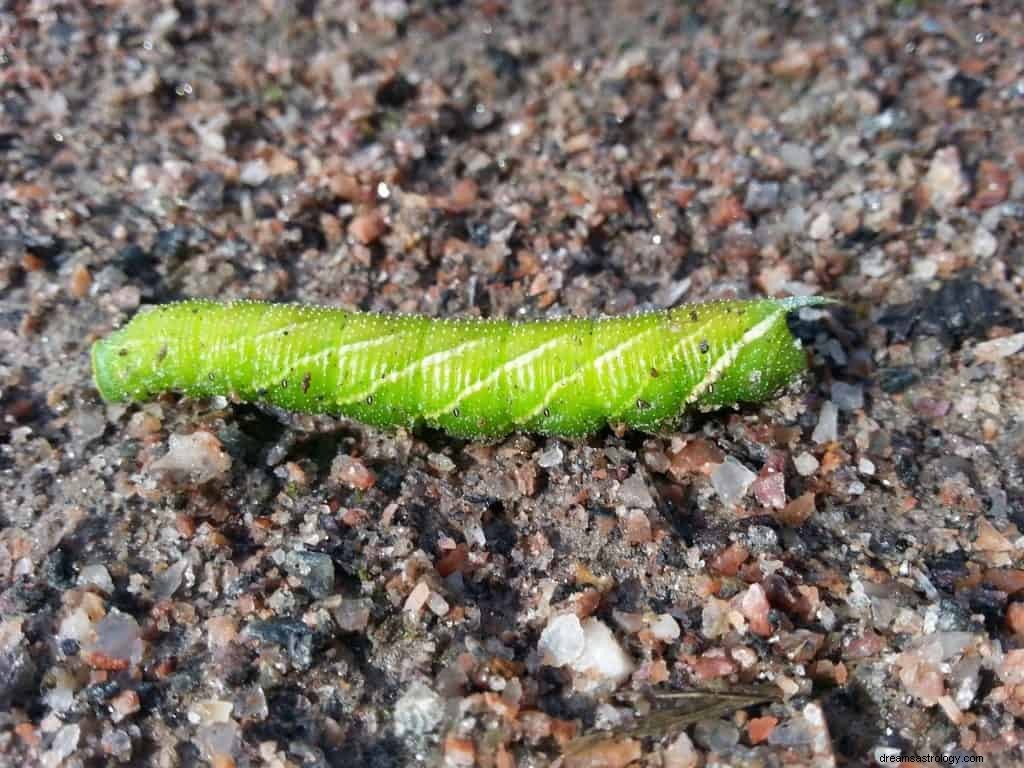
x=665 y=628
x=367 y=228
x=761 y=196
x=254 y=173
x=118 y=643
x=441 y=463
x=562 y=640
x=716 y=735
x=314 y=569
x=754 y=607
x=551 y=457
x=695 y=457
x=417 y=598
x=992 y=185
x=945 y=183
x=760 y=728
x=293 y=636
x=418 y=711
x=827 y=428
x=97 y=576
x=821 y=227
x=607 y=753
x=731 y=480
x=636 y=527
x=346 y=470
x=984 y=243
x=805 y=463
x=797 y=157
x=681 y=753
x=848 y=397
x=589 y=648
x=633 y=492
x=352 y=615
x=64 y=743
x=603 y=659
x=194 y=459
x=999 y=349
x=1015 y=619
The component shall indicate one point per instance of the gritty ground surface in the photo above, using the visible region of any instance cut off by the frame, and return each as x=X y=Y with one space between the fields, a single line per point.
x=191 y=583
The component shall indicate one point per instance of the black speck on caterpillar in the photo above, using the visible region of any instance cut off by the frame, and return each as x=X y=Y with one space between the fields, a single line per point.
x=477 y=379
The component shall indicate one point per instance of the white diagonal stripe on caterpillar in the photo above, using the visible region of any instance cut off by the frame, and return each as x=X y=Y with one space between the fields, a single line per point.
x=515 y=363
x=667 y=366
x=729 y=356
x=243 y=340
x=433 y=359
x=601 y=359
x=326 y=351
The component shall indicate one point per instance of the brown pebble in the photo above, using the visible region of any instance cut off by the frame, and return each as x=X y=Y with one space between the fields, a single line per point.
x=684 y=194
x=728 y=561
x=464 y=194
x=992 y=185
x=32 y=263
x=795 y=62
x=1008 y=580
x=727 y=211
x=760 y=728
x=367 y=228
x=708 y=667
x=353 y=473
x=80 y=281
x=1015 y=618
x=696 y=457
x=798 y=511
x=636 y=527
x=28 y=733
x=126 y=703
x=609 y=753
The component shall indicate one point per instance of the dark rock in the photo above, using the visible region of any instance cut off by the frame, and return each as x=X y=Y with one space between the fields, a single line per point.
x=396 y=92
x=17 y=676
x=960 y=309
x=294 y=636
x=965 y=89
x=314 y=569
x=946 y=569
x=897 y=379
x=171 y=245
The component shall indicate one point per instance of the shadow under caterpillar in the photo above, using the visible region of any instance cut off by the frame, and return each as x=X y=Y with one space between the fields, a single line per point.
x=477 y=379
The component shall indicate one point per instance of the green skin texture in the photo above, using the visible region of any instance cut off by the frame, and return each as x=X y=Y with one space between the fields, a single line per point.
x=476 y=379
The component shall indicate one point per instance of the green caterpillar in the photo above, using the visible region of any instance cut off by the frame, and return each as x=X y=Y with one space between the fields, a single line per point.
x=476 y=379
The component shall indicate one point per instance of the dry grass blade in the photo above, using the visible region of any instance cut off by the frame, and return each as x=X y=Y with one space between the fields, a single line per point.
x=676 y=710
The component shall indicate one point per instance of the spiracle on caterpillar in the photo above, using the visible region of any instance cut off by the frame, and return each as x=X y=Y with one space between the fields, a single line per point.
x=476 y=379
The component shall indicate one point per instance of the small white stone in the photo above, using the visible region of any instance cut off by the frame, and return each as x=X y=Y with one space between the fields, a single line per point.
x=97 y=576
x=562 y=640
x=681 y=753
x=821 y=227
x=665 y=628
x=997 y=349
x=254 y=173
x=731 y=480
x=65 y=742
x=984 y=243
x=418 y=711
x=865 y=466
x=827 y=429
x=806 y=465
x=945 y=181
x=603 y=659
